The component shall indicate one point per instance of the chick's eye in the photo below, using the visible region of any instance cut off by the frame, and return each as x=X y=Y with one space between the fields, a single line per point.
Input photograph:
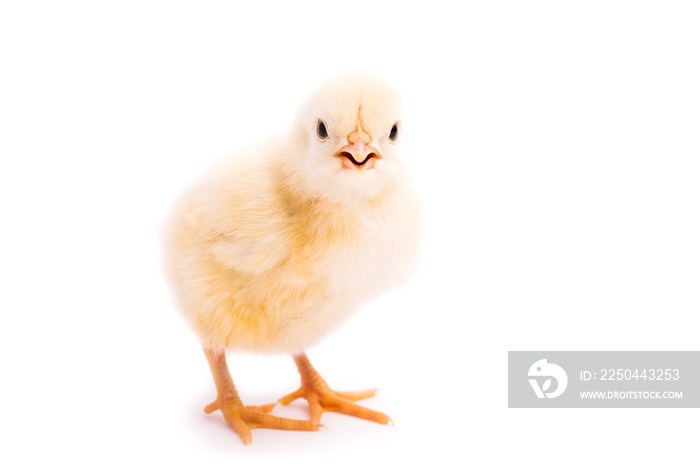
x=394 y=132
x=321 y=130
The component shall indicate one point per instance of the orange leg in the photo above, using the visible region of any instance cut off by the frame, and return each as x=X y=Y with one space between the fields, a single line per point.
x=244 y=418
x=321 y=398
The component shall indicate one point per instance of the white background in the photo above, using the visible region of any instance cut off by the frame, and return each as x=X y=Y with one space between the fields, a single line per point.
x=556 y=148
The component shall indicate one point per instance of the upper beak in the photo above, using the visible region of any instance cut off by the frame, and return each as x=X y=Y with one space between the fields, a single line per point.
x=358 y=155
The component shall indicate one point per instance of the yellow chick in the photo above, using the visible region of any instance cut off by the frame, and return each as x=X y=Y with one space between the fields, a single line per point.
x=275 y=247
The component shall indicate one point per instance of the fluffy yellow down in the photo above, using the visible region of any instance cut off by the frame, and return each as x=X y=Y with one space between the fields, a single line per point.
x=261 y=260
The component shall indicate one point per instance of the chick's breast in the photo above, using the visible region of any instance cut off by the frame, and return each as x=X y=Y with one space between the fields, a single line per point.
x=254 y=267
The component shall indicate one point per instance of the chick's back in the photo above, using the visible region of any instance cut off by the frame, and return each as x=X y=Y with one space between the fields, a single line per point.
x=256 y=267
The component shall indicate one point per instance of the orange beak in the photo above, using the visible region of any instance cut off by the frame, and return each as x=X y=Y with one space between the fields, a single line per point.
x=358 y=154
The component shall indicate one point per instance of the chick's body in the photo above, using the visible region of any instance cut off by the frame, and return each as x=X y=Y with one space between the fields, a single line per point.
x=274 y=247
x=259 y=268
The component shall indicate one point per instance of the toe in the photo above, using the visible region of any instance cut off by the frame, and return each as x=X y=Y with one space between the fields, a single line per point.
x=262 y=408
x=257 y=419
x=211 y=407
x=315 y=407
x=344 y=406
x=357 y=396
x=240 y=427
x=285 y=400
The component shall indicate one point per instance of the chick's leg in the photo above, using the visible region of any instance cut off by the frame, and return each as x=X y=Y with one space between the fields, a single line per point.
x=243 y=418
x=321 y=398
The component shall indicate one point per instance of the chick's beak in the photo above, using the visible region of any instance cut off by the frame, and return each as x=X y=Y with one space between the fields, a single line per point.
x=358 y=154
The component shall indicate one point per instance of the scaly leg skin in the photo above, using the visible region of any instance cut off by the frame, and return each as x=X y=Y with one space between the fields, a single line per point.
x=321 y=398
x=244 y=418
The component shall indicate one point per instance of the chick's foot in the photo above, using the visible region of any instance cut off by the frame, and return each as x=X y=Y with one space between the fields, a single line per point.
x=322 y=399
x=244 y=418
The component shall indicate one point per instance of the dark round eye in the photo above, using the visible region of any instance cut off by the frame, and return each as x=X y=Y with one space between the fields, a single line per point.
x=394 y=132
x=321 y=130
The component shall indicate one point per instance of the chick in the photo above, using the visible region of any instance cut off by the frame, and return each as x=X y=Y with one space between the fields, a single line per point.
x=274 y=248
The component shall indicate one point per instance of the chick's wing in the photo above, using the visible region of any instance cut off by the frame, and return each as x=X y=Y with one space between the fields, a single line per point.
x=253 y=245
x=243 y=220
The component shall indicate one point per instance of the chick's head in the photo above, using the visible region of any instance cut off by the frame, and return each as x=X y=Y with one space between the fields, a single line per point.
x=348 y=140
